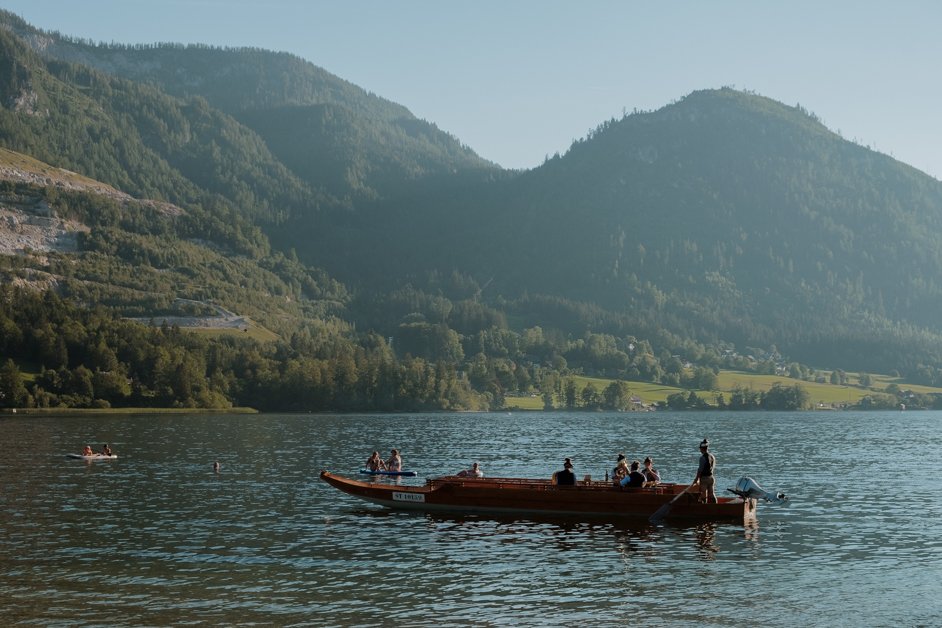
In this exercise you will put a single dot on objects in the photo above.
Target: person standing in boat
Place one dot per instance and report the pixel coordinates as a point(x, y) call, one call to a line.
point(395, 461)
point(705, 473)
point(473, 472)
point(375, 463)
point(566, 477)
point(650, 473)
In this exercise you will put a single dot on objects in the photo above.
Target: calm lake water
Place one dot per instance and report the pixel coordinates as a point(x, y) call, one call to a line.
point(157, 538)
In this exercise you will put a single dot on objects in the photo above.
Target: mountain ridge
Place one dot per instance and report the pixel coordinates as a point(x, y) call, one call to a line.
point(282, 83)
point(722, 220)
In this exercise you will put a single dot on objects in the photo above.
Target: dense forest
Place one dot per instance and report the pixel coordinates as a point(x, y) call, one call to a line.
point(397, 270)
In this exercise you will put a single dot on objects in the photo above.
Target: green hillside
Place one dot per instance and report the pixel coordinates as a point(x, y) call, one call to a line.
point(390, 268)
point(725, 217)
point(342, 140)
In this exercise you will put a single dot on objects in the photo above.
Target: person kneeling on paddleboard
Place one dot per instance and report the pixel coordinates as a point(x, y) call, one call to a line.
point(395, 461)
point(375, 463)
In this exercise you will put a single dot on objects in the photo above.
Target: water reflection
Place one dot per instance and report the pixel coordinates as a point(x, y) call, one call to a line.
point(706, 540)
point(635, 540)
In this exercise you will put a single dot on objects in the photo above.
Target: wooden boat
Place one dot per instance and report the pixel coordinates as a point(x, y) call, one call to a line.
point(532, 496)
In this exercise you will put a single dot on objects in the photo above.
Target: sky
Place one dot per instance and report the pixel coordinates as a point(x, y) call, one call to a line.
point(520, 80)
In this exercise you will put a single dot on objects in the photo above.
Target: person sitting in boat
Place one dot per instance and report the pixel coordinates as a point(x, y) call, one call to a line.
point(106, 450)
point(375, 463)
point(651, 475)
point(88, 451)
point(565, 477)
point(635, 478)
point(473, 472)
point(395, 461)
point(620, 471)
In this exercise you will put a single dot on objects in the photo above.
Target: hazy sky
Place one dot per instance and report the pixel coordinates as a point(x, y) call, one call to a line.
point(517, 80)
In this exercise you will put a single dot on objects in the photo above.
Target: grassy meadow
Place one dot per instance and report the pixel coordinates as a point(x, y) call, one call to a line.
point(821, 394)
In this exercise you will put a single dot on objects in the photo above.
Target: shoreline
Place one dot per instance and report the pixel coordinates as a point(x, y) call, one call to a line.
point(120, 411)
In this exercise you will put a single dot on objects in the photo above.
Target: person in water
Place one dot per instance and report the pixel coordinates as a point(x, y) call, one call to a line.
point(106, 450)
point(650, 473)
point(395, 461)
point(565, 477)
point(620, 472)
point(88, 451)
point(705, 473)
point(635, 478)
point(473, 472)
point(375, 463)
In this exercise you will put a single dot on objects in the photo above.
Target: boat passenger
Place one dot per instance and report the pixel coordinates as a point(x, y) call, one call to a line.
point(620, 471)
point(88, 451)
point(395, 461)
point(565, 477)
point(106, 450)
point(375, 463)
point(473, 472)
point(650, 473)
point(705, 475)
point(635, 478)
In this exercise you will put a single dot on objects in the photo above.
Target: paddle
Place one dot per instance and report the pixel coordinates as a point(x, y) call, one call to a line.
point(666, 508)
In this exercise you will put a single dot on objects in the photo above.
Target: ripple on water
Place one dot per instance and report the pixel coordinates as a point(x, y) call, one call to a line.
point(158, 538)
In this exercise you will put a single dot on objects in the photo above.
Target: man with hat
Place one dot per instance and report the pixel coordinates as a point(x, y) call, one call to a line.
point(565, 477)
point(620, 471)
point(705, 473)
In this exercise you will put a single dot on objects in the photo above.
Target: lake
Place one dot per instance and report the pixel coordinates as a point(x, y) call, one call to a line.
point(157, 538)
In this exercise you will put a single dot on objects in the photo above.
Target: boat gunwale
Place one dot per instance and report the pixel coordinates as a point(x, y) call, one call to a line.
point(435, 484)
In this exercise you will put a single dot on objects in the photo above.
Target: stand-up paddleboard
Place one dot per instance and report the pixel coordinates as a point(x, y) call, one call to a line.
point(92, 457)
point(410, 474)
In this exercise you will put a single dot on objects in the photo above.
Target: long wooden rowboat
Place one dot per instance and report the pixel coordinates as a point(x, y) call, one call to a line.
point(531, 496)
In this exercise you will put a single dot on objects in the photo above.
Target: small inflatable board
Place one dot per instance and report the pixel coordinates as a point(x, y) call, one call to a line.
point(410, 474)
point(92, 457)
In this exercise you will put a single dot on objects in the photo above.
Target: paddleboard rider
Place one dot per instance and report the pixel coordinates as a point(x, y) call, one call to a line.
point(375, 463)
point(705, 473)
point(395, 461)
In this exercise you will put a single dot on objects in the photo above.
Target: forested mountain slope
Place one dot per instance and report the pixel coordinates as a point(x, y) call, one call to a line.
point(722, 225)
point(725, 215)
point(351, 144)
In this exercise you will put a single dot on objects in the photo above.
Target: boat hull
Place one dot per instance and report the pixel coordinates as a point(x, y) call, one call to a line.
point(528, 496)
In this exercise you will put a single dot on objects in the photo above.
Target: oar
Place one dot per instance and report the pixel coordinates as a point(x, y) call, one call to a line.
point(666, 508)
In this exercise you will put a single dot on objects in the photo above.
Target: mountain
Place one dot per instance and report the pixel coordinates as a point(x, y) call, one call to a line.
point(399, 269)
point(723, 216)
point(347, 143)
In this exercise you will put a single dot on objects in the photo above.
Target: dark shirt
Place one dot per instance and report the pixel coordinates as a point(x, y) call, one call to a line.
point(707, 464)
point(636, 479)
point(565, 478)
